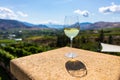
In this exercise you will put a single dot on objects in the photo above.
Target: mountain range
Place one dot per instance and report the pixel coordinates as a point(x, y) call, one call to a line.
point(6, 24)
point(12, 24)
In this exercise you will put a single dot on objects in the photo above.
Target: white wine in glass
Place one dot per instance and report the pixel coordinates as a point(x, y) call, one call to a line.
point(71, 30)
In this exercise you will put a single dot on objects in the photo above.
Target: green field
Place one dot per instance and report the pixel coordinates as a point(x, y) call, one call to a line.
point(7, 41)
point(39, 41)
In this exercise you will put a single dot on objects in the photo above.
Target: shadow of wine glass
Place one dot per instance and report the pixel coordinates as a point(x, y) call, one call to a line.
point(76, 68)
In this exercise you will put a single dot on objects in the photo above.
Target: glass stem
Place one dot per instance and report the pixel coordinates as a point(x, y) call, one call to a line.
point(71, 39)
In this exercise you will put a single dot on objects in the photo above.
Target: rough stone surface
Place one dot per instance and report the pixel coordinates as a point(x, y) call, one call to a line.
point(50, 65)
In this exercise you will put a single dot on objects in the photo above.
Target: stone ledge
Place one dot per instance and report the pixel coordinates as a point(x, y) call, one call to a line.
point(50, 65)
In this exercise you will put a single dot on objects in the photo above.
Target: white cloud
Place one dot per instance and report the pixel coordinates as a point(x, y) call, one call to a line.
point(6, 13)
point(110, 9)
point(22, 14)
point(84, 13)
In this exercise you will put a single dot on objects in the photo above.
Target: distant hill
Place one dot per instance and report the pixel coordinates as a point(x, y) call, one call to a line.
point(28, 24)
point(9, 24)
point(90, 26)
point(35, 25)
point(12, 24)
point(40, 26)
point(99, 25)
point(56, 26)
point(85, 25)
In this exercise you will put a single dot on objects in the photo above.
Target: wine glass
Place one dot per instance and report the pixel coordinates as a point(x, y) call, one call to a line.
point(71, 30)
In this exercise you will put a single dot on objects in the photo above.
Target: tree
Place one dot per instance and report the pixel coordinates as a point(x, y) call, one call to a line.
point(110, 39)
point(101, 36)
point(62, 40)
point(83, 39)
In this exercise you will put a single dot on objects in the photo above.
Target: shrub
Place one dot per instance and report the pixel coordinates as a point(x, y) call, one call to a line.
point(5, 57)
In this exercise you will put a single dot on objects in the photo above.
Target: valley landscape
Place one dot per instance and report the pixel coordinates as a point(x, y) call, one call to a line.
point(34, 27)
point(18, 39)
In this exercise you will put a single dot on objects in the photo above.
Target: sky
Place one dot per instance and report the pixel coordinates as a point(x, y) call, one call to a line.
point(54, 11)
